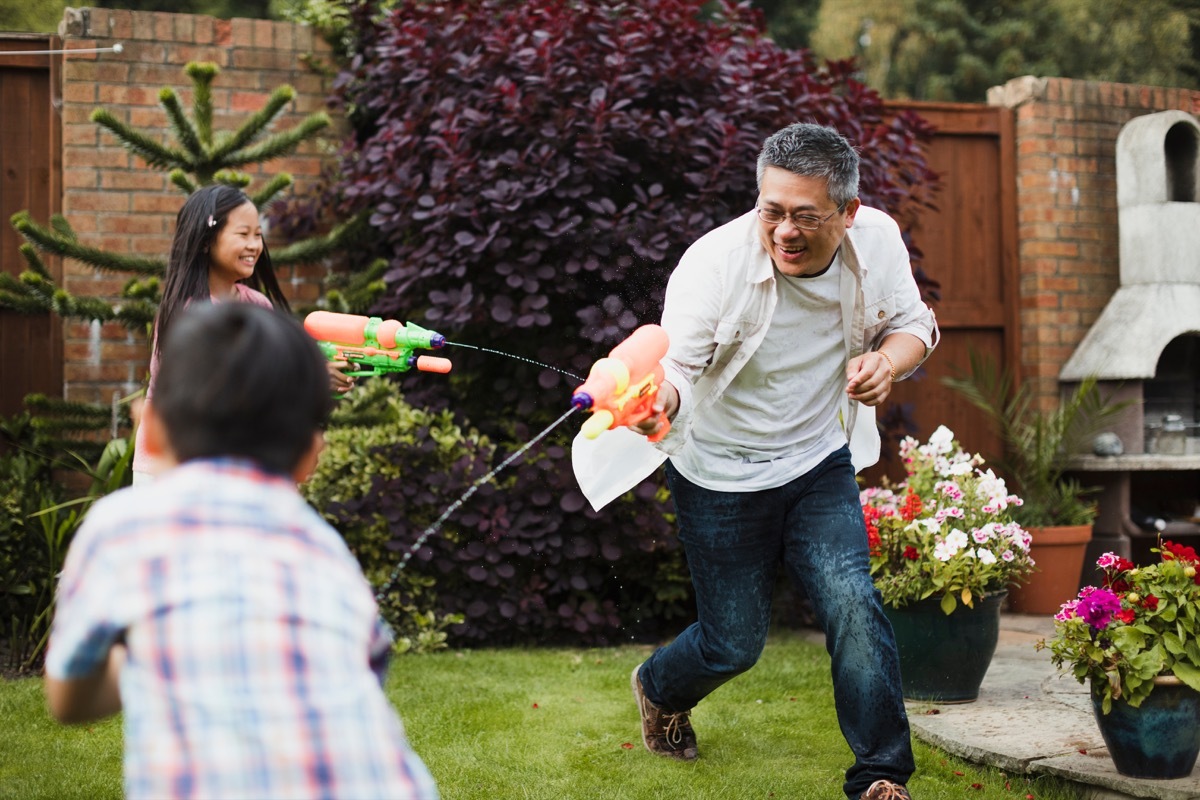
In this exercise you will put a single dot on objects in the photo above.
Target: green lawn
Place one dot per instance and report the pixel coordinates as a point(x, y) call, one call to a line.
point(553, 724)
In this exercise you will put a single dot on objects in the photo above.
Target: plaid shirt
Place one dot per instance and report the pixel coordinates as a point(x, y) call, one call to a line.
point(256, 652)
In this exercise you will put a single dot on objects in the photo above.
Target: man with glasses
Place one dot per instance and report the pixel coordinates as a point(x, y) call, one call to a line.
point(788, 326)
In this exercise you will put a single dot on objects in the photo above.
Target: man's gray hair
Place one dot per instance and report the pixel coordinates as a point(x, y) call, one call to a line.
point(813, 151)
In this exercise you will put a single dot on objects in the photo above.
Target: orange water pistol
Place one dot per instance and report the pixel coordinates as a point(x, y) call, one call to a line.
point(373, 345)
point(620, 390)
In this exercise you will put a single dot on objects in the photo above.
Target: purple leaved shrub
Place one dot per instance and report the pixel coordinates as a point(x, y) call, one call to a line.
point(532, 172)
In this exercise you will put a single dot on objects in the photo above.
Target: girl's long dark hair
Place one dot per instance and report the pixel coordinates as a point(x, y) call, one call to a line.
point(188, 262)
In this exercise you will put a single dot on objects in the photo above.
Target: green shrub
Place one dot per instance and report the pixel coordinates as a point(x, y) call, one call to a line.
point(367, 423)
point(37, 524)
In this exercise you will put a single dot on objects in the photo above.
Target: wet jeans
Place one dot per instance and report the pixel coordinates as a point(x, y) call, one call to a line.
point(735, 543)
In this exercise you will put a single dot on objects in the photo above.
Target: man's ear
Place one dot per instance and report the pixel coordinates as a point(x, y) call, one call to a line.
point(852, 209)
point(158, 443)
point(308, 462)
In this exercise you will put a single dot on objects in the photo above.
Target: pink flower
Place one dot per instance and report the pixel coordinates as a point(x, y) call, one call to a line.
point(1067, 611)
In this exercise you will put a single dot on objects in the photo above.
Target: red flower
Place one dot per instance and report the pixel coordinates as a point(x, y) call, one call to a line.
point(873, 540)
point(911, 508)
point(1172, 550)
point(1125, 615)
point(1150, 602)
point(911, 553)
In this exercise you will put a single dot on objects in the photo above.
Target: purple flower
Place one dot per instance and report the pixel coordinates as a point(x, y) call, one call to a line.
point(1097, 608)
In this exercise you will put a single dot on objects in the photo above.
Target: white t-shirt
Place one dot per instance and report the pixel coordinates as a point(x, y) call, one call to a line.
point(778, 418)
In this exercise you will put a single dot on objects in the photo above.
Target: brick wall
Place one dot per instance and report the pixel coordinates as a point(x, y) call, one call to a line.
point(114, 200)
point(1067, 238)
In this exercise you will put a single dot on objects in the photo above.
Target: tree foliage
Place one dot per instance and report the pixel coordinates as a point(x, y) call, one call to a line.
point(225, 9)
point(533, 171)
point(956, 50)
point(35, 16)
point(790, 22)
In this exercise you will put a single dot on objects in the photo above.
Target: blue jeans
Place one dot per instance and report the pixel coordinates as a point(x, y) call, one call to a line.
point(735, 542)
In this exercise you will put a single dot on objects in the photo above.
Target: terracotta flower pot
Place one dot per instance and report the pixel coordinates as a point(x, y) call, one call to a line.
point(1059, 553)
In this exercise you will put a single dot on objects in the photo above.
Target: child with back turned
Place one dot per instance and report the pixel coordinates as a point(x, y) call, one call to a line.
point(214, 606)
point(217, 255)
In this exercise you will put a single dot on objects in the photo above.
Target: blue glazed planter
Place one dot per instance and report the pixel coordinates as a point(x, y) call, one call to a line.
point(1158, 739)
point(943, 658)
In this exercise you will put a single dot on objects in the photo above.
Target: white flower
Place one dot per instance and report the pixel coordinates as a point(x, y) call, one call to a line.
point(956, 539)
point(950, 489)
point(942, 440)
point(1019, 536)
point(957, 468)
point(932, 524)
point(942, 514)
point(992, 487)
point(943, 551)
point(986, 556)
point(983, 535)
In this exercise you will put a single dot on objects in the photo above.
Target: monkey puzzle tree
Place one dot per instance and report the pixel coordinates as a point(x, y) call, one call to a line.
point(199, 156)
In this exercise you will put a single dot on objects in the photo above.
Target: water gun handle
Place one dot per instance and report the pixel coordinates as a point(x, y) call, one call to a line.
point(664, 427)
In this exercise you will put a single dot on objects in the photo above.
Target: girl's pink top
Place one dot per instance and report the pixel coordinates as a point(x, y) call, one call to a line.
point(143, 461)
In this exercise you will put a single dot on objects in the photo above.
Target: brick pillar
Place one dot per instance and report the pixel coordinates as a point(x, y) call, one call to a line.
point(1067, 237)
point(115, 201)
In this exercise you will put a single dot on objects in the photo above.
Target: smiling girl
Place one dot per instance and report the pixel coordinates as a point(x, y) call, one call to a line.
point(217, 255)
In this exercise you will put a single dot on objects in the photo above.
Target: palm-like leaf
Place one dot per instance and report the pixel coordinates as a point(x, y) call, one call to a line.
point(1039, 444)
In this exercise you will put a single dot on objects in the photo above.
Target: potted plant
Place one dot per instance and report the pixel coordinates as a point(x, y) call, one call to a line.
point(1057, 510)
point(944, 550)
point(1135, 639)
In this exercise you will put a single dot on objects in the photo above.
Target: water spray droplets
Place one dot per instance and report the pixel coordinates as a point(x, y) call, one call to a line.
point(518, 358)
point(457, 504)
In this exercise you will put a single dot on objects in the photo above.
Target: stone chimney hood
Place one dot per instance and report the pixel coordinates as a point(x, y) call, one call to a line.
point(1158, 174)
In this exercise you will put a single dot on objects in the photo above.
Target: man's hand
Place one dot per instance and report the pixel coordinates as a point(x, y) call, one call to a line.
point(667, 401)
point(869, 378)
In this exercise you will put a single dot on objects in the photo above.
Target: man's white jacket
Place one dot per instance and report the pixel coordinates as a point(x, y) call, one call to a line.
point(719, 305)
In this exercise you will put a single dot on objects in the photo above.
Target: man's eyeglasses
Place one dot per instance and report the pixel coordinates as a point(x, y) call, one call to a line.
point(804, 222)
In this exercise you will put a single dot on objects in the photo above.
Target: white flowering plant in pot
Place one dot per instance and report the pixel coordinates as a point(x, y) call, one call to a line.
point(946, 531)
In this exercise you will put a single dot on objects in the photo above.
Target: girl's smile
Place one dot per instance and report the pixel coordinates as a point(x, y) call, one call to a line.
point(236, 249)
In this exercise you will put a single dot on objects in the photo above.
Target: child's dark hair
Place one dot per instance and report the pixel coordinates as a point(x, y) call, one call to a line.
point(237, 379)
point(202, 217)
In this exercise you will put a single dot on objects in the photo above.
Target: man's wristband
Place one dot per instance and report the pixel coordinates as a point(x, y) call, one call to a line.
point(891, 363)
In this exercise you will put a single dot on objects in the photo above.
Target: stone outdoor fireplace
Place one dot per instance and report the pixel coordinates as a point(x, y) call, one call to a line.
point(1145, 346)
